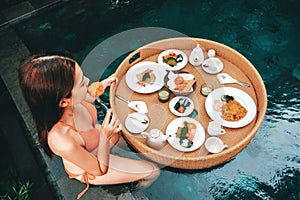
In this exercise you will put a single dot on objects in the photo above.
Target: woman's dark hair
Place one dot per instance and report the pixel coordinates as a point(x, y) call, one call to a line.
point(44, 81)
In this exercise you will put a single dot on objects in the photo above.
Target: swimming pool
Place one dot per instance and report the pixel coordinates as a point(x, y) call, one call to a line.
point(266, 32)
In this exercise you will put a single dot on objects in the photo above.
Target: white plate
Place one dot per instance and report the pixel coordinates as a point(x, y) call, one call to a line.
point(158, 70)
point(179, 65)
point(189, 109)
point(240, 96)
point(174, 142)
point(213, 65)
point(134, 126)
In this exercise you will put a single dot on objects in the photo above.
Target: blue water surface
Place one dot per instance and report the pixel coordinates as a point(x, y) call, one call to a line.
point(266, 32)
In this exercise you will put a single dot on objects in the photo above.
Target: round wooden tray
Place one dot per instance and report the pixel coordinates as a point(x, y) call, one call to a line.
point(160, 116)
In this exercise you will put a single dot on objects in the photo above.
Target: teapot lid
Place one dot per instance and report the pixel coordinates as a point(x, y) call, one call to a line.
point(154, 133)
point(197, 48)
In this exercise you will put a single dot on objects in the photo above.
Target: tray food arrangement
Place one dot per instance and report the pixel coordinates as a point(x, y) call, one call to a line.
point(184, 118)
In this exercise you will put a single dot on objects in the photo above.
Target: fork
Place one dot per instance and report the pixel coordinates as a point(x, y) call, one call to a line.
point(100, 102)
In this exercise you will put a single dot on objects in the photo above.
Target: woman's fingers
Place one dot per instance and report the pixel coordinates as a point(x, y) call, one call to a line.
point(107, 117)
point(108, 81)
point(111, 125)
point(114, 121)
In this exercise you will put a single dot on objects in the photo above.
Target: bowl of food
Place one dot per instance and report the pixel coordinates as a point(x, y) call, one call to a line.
point(180, 83)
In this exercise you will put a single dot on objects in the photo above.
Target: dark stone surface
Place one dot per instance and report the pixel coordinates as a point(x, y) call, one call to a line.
point(13, 132)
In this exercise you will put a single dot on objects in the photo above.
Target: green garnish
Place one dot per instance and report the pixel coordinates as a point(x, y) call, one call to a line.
point(184, 141)
point(172, 60)
point(145, 76)
point(226, 98)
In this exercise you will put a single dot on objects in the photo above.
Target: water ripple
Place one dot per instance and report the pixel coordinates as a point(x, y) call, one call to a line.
point(283, 100)
point(282, 186)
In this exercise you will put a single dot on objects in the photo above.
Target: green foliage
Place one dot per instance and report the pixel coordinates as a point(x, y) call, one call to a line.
point(18, 191)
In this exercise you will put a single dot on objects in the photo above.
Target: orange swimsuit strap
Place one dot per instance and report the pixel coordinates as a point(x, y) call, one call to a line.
point(65, 124)
point(85, 179)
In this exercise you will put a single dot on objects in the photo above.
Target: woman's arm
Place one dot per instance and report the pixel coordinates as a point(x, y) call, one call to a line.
point(108, 81)
point(107, 130)
point(70, 148)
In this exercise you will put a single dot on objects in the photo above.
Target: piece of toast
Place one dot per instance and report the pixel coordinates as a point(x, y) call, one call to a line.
point(96, 89)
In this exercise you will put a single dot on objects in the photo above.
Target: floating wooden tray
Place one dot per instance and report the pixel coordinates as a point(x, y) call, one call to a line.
point(236, 138)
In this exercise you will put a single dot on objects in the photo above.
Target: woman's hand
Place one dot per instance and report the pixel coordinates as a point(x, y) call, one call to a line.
point(108, 81)
point(110, 125)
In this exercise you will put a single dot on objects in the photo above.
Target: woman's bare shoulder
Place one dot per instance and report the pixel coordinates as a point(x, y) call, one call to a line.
point(62, 139)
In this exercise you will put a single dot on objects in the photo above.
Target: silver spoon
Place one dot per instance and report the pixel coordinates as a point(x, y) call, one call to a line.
point(226, 78)
point(139, 106)
point(144, 121)
point(125, 100)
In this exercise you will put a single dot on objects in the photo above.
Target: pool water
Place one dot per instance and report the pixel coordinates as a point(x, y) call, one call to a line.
point(265, 32)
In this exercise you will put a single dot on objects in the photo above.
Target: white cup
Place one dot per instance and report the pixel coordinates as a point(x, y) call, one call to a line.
point(215, 128)
point(214, 145)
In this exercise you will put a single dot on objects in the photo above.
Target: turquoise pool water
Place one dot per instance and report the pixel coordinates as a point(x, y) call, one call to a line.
point(265, 32)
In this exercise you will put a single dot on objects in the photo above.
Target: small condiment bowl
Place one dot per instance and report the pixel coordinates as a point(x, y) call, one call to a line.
point(214, 145)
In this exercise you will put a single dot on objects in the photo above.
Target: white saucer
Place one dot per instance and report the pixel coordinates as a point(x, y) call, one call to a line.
point(212, 65)
point(134, 126)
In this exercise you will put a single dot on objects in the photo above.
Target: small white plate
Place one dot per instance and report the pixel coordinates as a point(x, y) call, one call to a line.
point(134, 126)
point(179, 65)
point(212, 65)
point(189, 109)
point(175, 142)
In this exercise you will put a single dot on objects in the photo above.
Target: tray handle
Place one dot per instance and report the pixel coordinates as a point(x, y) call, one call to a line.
point(134, 58)
point(141, 54)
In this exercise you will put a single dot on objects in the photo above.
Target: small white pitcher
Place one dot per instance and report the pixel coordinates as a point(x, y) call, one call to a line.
point(215, 128)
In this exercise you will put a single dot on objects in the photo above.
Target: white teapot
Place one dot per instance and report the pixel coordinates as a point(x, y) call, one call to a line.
point(155, 138)
point(196, 57)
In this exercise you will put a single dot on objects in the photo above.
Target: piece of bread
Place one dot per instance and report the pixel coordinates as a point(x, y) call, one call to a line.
point(183, 85)
point(189, 85)
point(96, 89)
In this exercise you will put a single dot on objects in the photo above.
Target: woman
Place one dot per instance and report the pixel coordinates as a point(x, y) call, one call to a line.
point(57, 93)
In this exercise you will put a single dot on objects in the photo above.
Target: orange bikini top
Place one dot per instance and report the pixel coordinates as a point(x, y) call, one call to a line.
point(91, 136)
